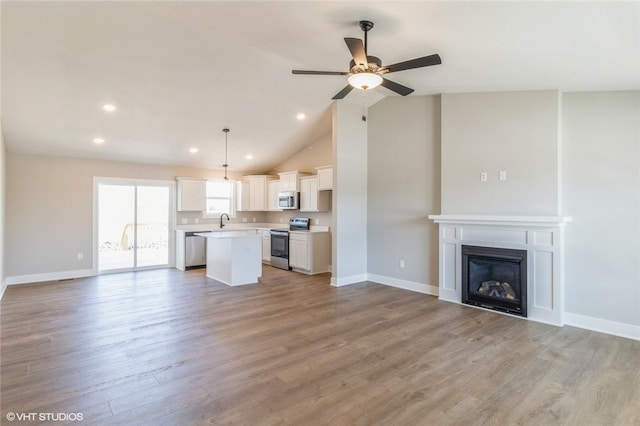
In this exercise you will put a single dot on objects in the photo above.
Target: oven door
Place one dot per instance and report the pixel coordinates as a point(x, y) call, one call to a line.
point(280, 249)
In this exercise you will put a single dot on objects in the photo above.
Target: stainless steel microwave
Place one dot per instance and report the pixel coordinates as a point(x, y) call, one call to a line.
point(288, 200)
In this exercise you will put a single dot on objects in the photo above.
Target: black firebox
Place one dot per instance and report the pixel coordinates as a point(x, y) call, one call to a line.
point(495, 278)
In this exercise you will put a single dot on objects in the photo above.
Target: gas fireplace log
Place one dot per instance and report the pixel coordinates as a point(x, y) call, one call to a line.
point(495, 288)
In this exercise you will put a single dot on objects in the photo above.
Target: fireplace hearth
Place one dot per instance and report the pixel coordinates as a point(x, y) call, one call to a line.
point(495, 278)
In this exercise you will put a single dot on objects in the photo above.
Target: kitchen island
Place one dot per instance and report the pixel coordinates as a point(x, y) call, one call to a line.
point(234, 257)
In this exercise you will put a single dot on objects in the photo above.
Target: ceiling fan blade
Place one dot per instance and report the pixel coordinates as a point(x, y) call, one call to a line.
point(425, 61)
point(356, 47)
point(303, 72)
point(344, 92)
point(398, 88)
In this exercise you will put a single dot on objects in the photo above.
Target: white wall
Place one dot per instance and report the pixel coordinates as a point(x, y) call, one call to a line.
point(488, 132)
point(601, 166)
point(349, 225)
point(403, 188)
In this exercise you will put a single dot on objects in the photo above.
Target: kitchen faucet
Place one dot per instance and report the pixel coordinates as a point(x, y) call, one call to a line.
point(223, 214)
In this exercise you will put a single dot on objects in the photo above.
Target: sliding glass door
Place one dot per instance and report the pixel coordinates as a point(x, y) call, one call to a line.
point(133, 225)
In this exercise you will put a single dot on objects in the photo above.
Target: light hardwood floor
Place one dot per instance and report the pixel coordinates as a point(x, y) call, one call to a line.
point(175, 348)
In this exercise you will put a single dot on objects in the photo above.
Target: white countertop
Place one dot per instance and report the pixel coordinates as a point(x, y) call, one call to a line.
point(217, 234)
point(212, 227)
point(245, 227)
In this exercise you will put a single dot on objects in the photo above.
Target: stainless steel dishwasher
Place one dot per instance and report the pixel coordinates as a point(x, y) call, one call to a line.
point(195, 251)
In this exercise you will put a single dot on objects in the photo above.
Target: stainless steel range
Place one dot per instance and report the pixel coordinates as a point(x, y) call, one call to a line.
point(280, 241)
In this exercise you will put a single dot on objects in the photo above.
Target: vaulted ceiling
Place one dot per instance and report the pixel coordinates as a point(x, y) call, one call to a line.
point(179, 72)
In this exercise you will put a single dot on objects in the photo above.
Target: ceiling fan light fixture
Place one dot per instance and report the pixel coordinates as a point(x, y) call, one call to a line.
point(365, 80)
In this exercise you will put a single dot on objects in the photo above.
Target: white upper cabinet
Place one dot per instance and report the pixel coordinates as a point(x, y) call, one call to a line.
point(273, 188)
point(290, 181)
point(192, 194)
point(312, 200)
point(253, 193)
point(242, 196)
point(325, 178)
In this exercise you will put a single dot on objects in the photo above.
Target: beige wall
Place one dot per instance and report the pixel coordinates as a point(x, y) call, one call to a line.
point(601, 165)
point(403, 188)
point(315, 154)
point(49, 216)
point(3, 203)
point(349, 224)
point(488, 132)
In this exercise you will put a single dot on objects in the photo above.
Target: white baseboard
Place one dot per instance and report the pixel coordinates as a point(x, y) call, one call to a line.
point(615, 328)
point(353, 279)
point(49, 276)
point(3, 287)
point(404, 284)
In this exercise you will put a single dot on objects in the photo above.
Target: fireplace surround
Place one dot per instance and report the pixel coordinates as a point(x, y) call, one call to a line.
point(541, 237)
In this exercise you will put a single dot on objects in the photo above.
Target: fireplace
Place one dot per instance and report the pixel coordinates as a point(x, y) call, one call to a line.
point(495, 278)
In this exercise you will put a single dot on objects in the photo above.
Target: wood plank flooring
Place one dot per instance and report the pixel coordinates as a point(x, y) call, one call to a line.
point(166, 347)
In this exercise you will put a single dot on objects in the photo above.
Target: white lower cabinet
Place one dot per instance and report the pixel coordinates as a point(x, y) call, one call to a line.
point(266, 246)
point(310, 252)
point(298, 248)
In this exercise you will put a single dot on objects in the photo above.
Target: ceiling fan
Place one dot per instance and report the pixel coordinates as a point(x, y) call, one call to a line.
point(367, 72)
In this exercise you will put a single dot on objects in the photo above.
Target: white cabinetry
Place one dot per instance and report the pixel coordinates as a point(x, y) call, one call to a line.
point(312, 200)
point(252, 193)
point(242, 196)
point(257, 193)
point(325, 178)
point(266, 246)
point(192, 194)
point(273, 188)
point(309, 252)
point(289, 181)
point(298, 248)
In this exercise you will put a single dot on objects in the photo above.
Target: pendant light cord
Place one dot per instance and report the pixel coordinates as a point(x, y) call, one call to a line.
point(226, 152)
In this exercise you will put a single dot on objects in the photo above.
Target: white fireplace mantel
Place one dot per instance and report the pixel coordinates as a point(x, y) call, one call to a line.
point(532, 221)
point(541, 236)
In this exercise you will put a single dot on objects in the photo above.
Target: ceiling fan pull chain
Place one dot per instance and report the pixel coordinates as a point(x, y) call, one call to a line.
point(364, 103)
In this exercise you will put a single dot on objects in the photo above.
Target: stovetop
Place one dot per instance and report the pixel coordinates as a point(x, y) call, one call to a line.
point(299, 224)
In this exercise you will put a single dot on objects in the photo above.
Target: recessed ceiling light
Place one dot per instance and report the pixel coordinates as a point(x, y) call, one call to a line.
point(249, 157)
point(109, 107)
point(99, 141)
point(301, 116)
point(193, 150)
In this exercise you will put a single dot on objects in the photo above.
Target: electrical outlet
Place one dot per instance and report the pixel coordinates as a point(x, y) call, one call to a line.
point(80, 256)
point(317, 221)
point(244, 219)
point(280, 220)
point(502, 175)
point(402, 263)
point(483, 177)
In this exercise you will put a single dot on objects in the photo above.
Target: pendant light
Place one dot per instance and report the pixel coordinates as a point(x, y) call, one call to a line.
point(226, 151)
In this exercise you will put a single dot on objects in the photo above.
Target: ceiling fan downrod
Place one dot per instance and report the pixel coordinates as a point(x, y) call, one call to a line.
point(366, 26)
